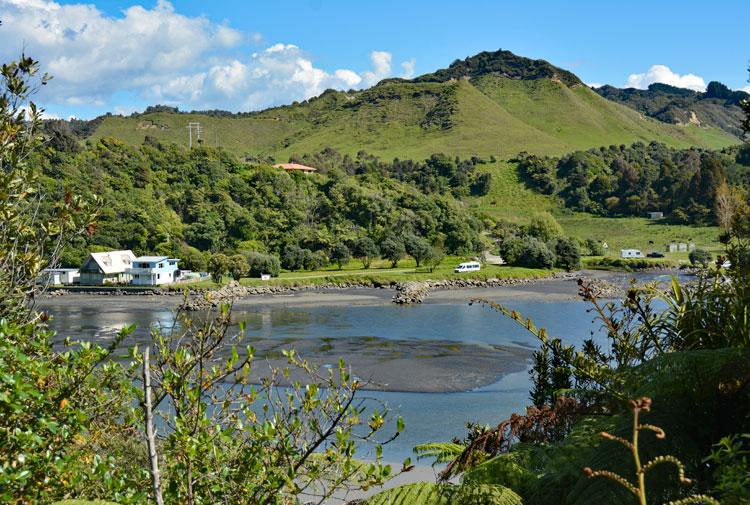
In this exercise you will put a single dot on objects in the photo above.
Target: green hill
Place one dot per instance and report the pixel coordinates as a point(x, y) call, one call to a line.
point(718, 107)
point(489, 104)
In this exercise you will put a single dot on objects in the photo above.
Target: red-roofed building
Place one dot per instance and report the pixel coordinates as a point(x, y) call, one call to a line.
point(296, 167)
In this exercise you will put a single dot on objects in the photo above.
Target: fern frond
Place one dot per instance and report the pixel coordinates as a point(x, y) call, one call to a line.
point(441, 452)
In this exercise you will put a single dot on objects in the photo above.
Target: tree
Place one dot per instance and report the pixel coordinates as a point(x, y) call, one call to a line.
point(259, 263)
point(745, 104)
point(544, 227)
point(238, 266)
point(595, 248)
point(535, 254)
point(366, 250)
point(434, 257)
point(417, 247)
point(340, 254)
point(393, 250)
point(700, 257)
point(293, 257)
point(567, 254)
point(218, 265)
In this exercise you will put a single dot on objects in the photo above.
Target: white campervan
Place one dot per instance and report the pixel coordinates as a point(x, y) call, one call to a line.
point(469, 266)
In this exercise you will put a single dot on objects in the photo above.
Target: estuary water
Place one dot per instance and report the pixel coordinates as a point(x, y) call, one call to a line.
point(367, 314)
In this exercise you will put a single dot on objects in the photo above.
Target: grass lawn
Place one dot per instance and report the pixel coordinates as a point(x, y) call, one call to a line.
point(640, 233)
point(380, 272)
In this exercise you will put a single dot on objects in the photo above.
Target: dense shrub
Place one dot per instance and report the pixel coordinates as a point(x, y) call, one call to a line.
point(535, 254)
point(260, 263)
point(567, 254)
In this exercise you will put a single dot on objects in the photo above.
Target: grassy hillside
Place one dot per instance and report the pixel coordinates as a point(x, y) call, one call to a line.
point(483, 112)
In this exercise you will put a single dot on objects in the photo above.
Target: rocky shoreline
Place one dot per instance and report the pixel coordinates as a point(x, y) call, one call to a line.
point(405, 293)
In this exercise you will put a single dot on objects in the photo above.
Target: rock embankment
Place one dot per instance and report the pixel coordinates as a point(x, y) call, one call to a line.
point(417, 291)
point(411, 292)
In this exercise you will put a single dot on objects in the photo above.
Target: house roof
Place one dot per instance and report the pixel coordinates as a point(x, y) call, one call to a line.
point(151, 259)
point(112, 262)
point(295, 166)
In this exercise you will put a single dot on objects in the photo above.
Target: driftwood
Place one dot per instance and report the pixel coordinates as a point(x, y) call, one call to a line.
point(150, 435)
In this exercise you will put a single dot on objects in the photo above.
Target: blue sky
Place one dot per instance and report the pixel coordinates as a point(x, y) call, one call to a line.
point(120, 55)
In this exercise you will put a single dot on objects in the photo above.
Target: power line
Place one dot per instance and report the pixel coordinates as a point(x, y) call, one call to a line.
point(194, 127)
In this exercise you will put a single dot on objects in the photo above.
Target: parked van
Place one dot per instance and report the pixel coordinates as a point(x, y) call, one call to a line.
point(469, 266)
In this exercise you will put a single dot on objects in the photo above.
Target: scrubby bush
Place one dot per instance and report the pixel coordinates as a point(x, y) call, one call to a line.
point(567, 254)
point(238, 266)
point(259, 263)
point(535, 254)
point(544, 226)
point(700, 257)
point(594, 247)
point(296, 258)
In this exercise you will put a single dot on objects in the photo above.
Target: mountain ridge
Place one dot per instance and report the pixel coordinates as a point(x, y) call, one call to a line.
point(492, 103)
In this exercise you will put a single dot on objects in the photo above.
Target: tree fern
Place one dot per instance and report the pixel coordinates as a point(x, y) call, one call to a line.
point(440, 452)
point(428, 493)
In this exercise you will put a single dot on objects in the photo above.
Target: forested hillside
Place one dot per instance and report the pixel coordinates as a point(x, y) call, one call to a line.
point(167, 199)
point(718, 106)
point(494, 103)
point(618, 180)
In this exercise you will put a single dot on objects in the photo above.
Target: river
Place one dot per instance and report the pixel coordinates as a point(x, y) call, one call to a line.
point(434, 407)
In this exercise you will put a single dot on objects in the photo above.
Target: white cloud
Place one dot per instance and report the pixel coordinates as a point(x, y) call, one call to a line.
point(381, 64)
point(746, 89)
point(160, 55)
point(594, 84)
point(408, 67)
point(663, 74)
point(92, 55)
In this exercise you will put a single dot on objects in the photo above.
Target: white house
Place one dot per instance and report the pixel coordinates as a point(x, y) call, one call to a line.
point(111, 267)
point(59, 276)
point(154, 270)
point(656, 215)
point(631, 253)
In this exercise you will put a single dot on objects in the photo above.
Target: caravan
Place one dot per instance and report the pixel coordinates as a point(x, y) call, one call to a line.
point(469, 266)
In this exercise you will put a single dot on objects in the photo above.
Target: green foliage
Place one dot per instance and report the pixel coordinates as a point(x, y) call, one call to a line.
point(533, 253)
point(717, 106)
point(567, 254)
point(544, 227)
point(234, 441)
point(427, 493)
point(417, 247)
point(439, 452)
point(434, 258)
point(340, 254)
point(218, 265)
point(238, 266)
point(259, 263)
point(730, 458)
point(594, 247)
point(365, 250)
point(393, 250)
point(620, 180)
point(700, 257)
